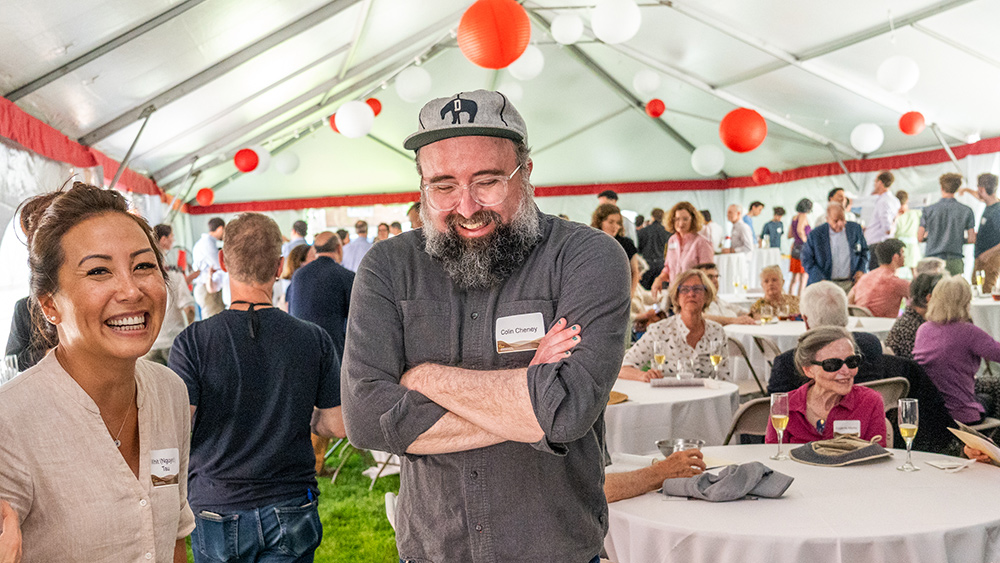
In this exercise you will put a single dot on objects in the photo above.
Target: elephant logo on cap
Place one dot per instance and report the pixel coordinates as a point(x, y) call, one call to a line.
point(458, 106)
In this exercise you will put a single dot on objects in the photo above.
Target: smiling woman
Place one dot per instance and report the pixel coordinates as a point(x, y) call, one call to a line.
point(95, 444)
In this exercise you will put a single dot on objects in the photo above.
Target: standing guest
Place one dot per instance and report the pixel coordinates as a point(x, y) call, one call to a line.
point(741, 238)
point(653, 247)
point(254, 400)
point(835, 195)
point(906, 231)
point(836, 251)
point(685, 249)
point(988, 237)
point(413, 214)
point(299, 230)
point(425, 379)
point(903, 333)
point(608, 218)
point(298, 257)
point(320, 291)
point(395, 228)
point(799, 233)
point(640, 222)
point(205, 255)
point(829, 358)
point(610, 196)
point(383, 232)
point(345, 237)
point(931, 266)
point(883, 219)
point(719, 310)
point(948, 225)
point(80, 427)
point(774, 228)
point(773, 283)
point(357, 248)
point(712, 231)
point(881, 291)
point(690, 338)
point(180, 302)
point(951, 350)
point(756, 208)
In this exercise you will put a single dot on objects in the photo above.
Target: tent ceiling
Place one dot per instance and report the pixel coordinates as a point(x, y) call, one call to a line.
point(224, 74)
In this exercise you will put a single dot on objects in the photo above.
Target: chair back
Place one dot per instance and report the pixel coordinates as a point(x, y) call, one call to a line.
point(751, 418)
point(888, 434)
point(859, 311)
point(735, 349)
point(768, 347)
point(892, 390)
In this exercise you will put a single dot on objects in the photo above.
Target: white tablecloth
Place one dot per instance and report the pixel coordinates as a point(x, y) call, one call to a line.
point(986, 315)
point(741, 300)
point(863, 513)
point(743, 268)
point(785, 334)
point(660, 413)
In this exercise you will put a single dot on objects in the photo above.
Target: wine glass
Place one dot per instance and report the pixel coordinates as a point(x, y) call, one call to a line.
point(766, 314)
point(715, 356)
point(779, 419)
point(909, 418)
point(660, 354)
point(784, 312)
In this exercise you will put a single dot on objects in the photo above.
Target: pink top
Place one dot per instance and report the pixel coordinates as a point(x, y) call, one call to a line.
point(685, 252)
point(861, 403)
point(882, 292)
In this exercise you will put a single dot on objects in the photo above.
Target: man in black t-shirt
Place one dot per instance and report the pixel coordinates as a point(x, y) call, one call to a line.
point(258, 381)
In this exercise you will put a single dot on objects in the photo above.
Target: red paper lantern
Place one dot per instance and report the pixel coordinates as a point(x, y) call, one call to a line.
point(333, 123)
point(205, 197)
point(494, 33)
point(761, 175)
point(912, 123)
point(655, 107)
point(375, 105)
point(742, 130)
point(246, 160)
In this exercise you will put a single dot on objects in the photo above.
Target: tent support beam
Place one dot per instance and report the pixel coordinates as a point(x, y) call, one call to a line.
point(947, 149)
point(174, 207)
point(582, 129)
point(100, 51)
point(146, 114)
point(220, 68)
point(960, 46)
point(359, 33)
point(840, 161)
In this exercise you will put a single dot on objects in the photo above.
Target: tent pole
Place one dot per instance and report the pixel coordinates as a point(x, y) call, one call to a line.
point(189, 176)
point(947, 149)
point(840, 161)
point(146, 114)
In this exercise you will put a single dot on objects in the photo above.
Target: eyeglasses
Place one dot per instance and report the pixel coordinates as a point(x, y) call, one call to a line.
point(488, 191)
point(831, 365)
point(692, 289)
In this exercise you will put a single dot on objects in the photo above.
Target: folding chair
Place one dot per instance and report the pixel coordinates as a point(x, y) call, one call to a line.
point(751, 418)
point(768, 347)
point(988, 427)
point(735, 349)
point(892, 390)
point(390, 508)
point(859, 311)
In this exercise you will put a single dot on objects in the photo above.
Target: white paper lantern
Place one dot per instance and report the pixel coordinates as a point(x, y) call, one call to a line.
point(264, 159)
point(567, 28)
point(413, 84)
point(286, 163)
point(528, 65)
point(708, 160)
point(646, 82)
point(354, 119)
point(866, 138)
point(898, 74)
point(513, 91)
point(615, 21)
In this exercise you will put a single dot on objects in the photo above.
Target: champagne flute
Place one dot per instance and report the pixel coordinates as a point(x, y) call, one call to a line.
point(766, 313)
point(909, 418)
point(660, 354)
point(779, 419)
point(715, 356)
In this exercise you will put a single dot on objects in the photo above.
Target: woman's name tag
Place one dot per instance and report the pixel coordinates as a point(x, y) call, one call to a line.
point(164, 467)
point(847, 427)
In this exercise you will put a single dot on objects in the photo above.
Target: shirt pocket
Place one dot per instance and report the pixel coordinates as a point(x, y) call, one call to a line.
point(546, 307)
point(427, 332)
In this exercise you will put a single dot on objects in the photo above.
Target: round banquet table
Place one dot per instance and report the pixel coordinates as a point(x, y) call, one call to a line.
point(786, 334)
point(743, 269)
point(742, 300)
point(659, 413)
point(986, 315)
point(864, 512)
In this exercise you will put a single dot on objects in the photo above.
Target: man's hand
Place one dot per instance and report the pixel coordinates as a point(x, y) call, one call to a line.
point(10, 534)
point(977, 455)
point(680, 464)
point(857, 276)
point(557, 343)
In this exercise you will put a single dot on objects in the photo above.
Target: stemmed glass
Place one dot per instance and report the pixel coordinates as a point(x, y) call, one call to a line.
point(660, 355)
point(779, 419)
point(715, 356)
point(909, 418)
point(980, 280)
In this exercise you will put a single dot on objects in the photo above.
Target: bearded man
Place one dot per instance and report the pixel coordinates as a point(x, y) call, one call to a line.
point(482, 349)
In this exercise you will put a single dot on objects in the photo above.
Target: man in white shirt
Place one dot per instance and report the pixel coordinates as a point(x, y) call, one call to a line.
point(206, 260)
point(355, 250)
point(180, 302)
point(741, 237)
point(883, 219)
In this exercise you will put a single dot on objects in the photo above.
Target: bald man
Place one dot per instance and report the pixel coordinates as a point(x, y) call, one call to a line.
point(741, 237)
point(836, 251)
point(320, 291)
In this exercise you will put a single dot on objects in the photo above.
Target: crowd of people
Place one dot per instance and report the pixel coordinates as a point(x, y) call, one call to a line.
point(481, 347)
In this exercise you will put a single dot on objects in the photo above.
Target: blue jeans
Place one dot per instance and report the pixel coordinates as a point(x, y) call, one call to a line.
point(596, 559)
point(286, 532)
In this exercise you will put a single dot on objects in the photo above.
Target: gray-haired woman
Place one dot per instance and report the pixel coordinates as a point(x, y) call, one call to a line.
point(830, 403)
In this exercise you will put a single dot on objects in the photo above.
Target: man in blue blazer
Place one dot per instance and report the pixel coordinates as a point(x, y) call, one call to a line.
point(836, 251)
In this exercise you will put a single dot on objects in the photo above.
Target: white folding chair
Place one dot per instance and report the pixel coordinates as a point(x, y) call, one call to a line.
point(390, 508)
point(735, 349)
point(859, 311)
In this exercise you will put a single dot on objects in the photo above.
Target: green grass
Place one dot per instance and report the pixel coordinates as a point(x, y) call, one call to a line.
point(355, 529)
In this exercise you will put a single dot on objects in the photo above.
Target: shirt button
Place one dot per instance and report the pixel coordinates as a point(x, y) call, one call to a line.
point(475, 474)
point(142, 502)
point(475, 316)
point(479, 527)
point(149, 555)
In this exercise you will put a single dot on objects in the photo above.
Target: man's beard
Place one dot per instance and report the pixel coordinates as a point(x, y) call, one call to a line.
point(489, 260)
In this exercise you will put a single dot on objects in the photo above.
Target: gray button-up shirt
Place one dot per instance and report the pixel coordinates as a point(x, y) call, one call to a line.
point(840, 255)
point(510, 502)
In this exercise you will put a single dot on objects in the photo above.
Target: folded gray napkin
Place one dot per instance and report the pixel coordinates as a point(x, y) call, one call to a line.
point(732, 483)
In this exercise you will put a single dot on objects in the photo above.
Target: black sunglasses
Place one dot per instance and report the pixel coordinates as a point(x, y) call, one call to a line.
point(831, 365)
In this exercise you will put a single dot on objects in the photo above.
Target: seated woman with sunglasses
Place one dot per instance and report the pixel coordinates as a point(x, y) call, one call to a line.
point(830, 403)
point(690, 337)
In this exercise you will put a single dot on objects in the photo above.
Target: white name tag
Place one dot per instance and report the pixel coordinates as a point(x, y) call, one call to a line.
point(847, 427)
point(164, 467)
point(519, 333)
